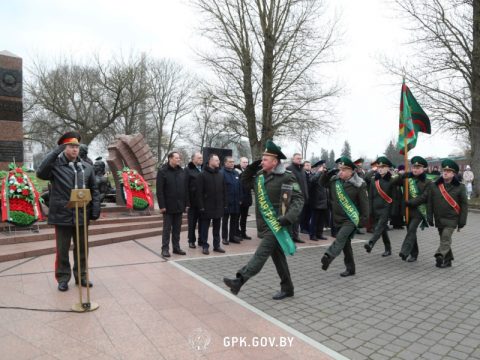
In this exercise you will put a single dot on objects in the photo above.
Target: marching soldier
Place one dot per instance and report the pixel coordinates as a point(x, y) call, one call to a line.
point(270, 184)
point(381, 199)
point(417, 185)
point(446, 203)
point(348, 192)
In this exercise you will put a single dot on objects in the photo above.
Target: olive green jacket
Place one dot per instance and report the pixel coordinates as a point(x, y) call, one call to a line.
point(356, 190)
point(439, 209)
point(273, 186)
point(422, 183)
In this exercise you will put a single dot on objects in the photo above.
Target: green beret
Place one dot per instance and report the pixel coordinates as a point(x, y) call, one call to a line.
point(383, 160)
point(273, 150)
point(345, 161)
point(419, 161)
point(449, 164)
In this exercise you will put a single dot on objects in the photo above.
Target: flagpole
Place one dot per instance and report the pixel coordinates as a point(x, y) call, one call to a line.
point(405, 159)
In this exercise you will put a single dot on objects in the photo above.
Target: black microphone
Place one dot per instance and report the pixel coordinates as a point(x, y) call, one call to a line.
point(72, 165)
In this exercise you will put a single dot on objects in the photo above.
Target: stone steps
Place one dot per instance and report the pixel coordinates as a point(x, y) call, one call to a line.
point(108, 230)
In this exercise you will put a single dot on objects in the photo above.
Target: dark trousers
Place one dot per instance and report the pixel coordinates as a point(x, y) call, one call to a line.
point(319, 218)
point(343, 242)
point(215, 232)
point(194, 222)
point(228, 232)
point(243, 219)
point(305, 218)
point(381, 229)
point(63, 236)
point(410, 245)
point(269, 246)
point(172, 223)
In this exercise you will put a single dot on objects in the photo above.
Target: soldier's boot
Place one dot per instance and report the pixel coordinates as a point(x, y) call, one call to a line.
point(446, 263)
point(326, 260)
point(387, 252)
point(234, 284)
point(438, 260)
point(368, 246)
point(411, 258)
point(403, 257)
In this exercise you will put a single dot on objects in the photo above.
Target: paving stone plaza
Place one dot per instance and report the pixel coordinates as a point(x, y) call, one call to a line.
point(389, 310)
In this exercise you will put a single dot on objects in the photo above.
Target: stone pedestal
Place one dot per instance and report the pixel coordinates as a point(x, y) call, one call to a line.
point(11, 109)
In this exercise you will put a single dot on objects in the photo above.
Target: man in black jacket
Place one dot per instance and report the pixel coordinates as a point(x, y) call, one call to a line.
point(172, 199)
point(192, 171)
point(318, 203)
point(296, 168)
point(211, 197)
point(62, 166)
point(246, 201)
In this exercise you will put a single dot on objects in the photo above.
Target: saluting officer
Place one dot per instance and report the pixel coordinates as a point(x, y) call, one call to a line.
point(446, 203)
point(417, 185)
point(348, 193)
point(269, 185)
point(381, 198)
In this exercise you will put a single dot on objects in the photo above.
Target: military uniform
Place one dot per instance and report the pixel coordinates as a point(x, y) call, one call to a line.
point(409, 250)
point(269, 245)
point(449, 209)
point(355, 189)
point(381, 200)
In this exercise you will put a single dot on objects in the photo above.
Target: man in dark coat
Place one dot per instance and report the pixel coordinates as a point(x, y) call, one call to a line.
point(245, 202)
point(318, 203)
point(417, 185)
point(348, 193)
point(172, 196)
point(296, 168)
point(233, 189)
point(212, 200)
point(276, 179)
point(62, 167)
point(193, 169)
point(446, 203)
point(382, 186)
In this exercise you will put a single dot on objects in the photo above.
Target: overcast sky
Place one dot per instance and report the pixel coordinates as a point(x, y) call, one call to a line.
point(367, 112)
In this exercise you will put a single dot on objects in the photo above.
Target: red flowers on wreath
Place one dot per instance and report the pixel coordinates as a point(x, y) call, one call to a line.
point(136, 191)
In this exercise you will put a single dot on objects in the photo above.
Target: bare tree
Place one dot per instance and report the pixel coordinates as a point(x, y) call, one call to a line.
point(87, 98)
point(169, 102)
point(268, 53)
point(446, 72)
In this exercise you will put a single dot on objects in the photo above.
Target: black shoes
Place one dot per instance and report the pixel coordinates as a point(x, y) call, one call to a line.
point(246, 237)
point(403, 257)
point(326, 260)
point(225, 242)
point(62, 286)
point(192, 245)
point(387, 253)
point(322, 238)
point(411, 258)
point(282, 295)
point(83, 282)
point(236, 240)
point(313, 238)
point(347, 273)
point(179, 252)
point(446, 264)
point(368, 247)
point(205, 251)
point(165, 253)
point(220, 250)
point(298, 241)
point(233, 284)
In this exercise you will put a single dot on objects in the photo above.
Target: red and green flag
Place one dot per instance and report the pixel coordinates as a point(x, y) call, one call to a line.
point(412, 120)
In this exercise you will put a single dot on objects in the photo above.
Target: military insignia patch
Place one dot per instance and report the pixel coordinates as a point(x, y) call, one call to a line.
point(296, 187)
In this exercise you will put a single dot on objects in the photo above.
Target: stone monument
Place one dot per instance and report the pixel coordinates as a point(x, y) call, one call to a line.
point(11, 109)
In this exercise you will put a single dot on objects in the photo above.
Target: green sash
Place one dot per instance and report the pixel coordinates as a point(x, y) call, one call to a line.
point(346, 203)
point(270, 216)
point(413, 192)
